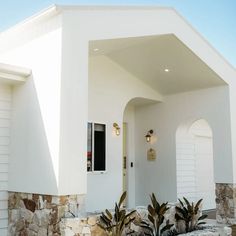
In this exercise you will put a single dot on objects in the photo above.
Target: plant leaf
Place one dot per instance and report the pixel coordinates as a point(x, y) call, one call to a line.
point(166, 227)
point(151, 210)
point(201, 223)
point(151, 219)
point(197, 206)
point(187, 203)
point(202, 217)
point(178, 217)
point(108, 214)
point(181, 203)
point(122, 198)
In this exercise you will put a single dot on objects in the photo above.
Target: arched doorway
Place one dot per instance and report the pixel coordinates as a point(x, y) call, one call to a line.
point(129, 156)
point(194, 155)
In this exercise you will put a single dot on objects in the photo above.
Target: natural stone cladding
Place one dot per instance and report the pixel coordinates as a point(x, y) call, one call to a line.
point(40, 215)
point(85, 226)
point(225, 203)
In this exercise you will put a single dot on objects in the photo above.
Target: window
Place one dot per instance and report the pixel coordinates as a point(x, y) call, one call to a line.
point(96, 147)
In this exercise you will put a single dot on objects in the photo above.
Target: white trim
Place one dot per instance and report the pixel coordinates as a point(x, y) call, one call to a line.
point(98, 172)
point(12, 74)
point(40, 16)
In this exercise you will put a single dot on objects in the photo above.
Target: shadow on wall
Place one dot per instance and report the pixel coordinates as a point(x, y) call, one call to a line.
point(33, 163)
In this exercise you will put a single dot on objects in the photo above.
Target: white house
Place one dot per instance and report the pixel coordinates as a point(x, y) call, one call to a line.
point(69, 73)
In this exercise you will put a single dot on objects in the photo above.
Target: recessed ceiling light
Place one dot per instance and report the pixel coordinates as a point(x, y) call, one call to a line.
point(95, 49)
point(166, 70)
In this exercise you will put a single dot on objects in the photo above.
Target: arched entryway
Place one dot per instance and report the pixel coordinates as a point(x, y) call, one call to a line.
point(129, 155)
point(194, 162)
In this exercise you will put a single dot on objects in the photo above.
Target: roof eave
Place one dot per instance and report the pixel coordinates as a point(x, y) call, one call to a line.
point(13, 74)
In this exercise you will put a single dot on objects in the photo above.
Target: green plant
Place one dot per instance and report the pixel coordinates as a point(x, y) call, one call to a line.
point(115, 224)
point(188, 213)
point(156, 212)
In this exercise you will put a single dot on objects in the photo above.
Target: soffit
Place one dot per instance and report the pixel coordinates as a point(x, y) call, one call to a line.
point(147, 58)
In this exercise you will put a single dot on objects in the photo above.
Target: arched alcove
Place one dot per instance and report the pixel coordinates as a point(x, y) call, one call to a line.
point(194, 162)
point(128, 150)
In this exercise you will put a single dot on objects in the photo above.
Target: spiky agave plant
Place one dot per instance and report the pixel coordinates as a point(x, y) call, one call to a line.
point(156, 212)
point(115, 224)
point(188, 213)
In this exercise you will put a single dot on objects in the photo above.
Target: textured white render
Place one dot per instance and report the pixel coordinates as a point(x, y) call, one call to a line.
point(110, 89)
point(34, 157)
point(165, 118)
point(51, 111)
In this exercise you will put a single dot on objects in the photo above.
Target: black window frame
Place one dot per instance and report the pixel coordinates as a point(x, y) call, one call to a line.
point(96, 147)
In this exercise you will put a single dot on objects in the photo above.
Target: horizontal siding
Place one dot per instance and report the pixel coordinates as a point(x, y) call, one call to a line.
point(5, 114)
point(186, 167)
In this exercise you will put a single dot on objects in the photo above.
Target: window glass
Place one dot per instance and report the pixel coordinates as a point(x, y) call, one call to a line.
point(96, 147)
point(99, 147)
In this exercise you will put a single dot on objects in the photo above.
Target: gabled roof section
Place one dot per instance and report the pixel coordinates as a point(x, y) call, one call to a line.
point(57, 9)
point(13, 74)
point(38, 17)
point(173, 24)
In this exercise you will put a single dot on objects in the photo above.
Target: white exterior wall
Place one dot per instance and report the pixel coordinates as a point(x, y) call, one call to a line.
point(5, 123)
point(34, 157)
point(110, 89)
point(164, 118)
point(55, 99)
point(110, 23)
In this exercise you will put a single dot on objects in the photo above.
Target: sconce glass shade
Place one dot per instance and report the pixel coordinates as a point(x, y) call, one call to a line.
point(117, 129)
point(149, 135)
point(148, 138)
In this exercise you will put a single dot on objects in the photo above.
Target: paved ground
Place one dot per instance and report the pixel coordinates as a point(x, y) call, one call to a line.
point(211, 214)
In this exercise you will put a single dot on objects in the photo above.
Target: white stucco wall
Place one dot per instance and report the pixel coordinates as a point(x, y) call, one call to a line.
point(36, 108)
point(51, 109)
point(164, 118)
point(110, 89)
point(109, 23)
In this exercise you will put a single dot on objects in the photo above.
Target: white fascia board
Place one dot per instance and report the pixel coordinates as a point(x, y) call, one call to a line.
point(110, 7)
point(13, 74)
point(38, 17)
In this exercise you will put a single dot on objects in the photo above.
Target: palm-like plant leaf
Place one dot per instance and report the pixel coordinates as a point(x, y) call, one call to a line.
point(201, 223)
point(188, 212)
point(115, 224)
point(156, 212)
point(108, 214)
point(166, 227)
point(122, 198)
point(151, 210)
point(202, 217)
point(196, 209)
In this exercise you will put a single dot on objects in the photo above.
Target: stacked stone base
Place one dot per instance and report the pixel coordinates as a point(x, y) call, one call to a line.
point(81, 227)
point(226, 203)
point(40, 215)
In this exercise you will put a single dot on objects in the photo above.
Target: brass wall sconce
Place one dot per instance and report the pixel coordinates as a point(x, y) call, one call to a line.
point(117, 129)
point(149, 135)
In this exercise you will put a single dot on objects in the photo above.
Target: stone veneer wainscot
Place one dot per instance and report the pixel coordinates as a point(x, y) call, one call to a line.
point(40, 215)
point(226, 203)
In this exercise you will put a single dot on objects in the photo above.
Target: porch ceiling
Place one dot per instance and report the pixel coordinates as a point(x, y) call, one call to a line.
point(148, 57)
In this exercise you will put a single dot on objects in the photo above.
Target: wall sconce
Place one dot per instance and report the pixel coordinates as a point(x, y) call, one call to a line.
point(117, 128)
point(149, 135)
